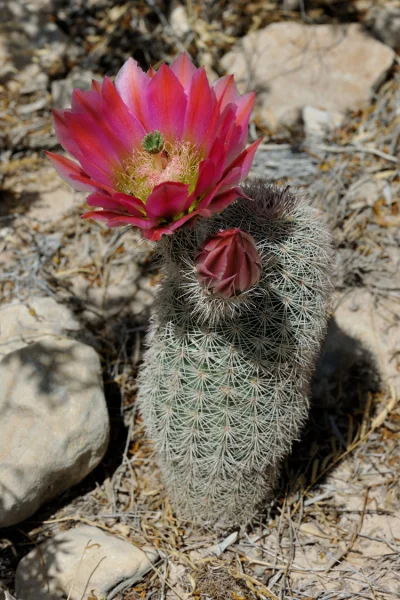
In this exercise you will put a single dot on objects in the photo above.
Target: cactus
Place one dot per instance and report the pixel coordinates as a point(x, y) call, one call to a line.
point(224, 387)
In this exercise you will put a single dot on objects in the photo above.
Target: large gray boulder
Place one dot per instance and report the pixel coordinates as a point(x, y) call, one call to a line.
point(54, 423)
point(80, 563)
point(291, 65)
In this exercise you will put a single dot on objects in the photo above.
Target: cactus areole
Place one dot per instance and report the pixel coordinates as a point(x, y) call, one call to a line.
point(242, 307)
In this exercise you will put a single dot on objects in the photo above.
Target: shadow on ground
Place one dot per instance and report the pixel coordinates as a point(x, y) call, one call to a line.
point(13, 204)
point(345, 375)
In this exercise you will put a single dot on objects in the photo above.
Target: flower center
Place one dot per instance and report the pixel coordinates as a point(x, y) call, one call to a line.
point(158, 162)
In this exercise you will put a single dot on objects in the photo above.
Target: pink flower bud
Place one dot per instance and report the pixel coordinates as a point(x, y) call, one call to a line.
point(228, 263)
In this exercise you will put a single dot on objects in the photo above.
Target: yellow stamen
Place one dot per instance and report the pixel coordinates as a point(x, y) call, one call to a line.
point(143, 171)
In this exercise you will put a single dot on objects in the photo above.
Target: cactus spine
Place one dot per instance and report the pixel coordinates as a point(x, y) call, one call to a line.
point(224, 387)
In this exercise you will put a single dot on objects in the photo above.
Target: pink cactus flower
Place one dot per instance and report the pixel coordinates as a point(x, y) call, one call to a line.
point(157, 149)
point(228, 263)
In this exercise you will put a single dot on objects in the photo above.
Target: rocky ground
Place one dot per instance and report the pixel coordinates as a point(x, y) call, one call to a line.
point(79, 487)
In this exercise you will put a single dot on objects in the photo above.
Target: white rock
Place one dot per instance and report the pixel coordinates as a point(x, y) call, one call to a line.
point(54, 423)
point(318, 123)
point(79, 563)
point(179, 21)
point(292, 65)
point(21, 324)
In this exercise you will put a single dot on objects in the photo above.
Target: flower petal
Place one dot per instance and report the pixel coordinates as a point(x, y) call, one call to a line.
point(184, 69)
point(96, 124)
point(226, 287)
point(73, 174)
point(168, 200)
point(212, 127)
point(200, 108)
point(114, 219)
point(88, 102)
point(103, 201)
point(207, 177)
point(132, 204)
point(245, 105)
point(216, 261)
point(226, 91)
point(167, 104)
point(107, 113)
point(230, 179)
point(131, 83)
point(96, 86)
point(220, 202)
point(244, 160)
point(156, 233)
point(239, 136)
point(218, 156)
point(95, 148)
point(63, 133)
point(125, 126)
point(118, 202)
point(227, 123)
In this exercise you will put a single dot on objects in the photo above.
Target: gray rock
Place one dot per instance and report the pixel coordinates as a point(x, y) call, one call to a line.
point(61, 89)
point(6, 596)
point(32, 79)
point(291, 4)
point(22, 324)
point(54, 423)
point(292, 65)
point(46, 36)
point(386, 26)
point(79, 563)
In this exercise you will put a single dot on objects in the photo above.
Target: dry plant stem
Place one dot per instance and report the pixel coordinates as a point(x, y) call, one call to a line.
point(375, 151)
point(354, 537)
point(252, 580)
point(224, 389)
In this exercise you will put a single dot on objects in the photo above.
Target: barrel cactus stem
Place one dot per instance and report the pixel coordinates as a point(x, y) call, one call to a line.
point(224, 387)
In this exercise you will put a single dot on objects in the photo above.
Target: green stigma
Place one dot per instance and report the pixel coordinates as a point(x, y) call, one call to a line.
point(153, 142)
